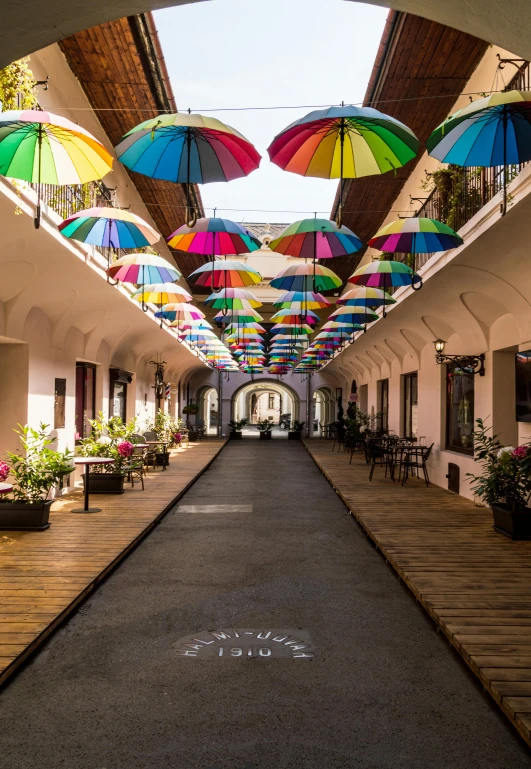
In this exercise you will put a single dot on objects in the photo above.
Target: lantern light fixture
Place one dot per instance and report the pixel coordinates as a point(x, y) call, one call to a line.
point(470, 364)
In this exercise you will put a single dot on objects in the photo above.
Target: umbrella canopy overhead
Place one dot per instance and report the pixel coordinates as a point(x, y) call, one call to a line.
point(162, 293)
point(306, 277)
point(316, 239)
point(308, 299)
point(187, 149)
point(362, 296)
point(212, 236)
point(290, 316)
point(344, 142)
point(415, 236)
point(225, 273)
point(383, 274)
point(143, 268)
point(181, 311)
point(109, 228)
point(354, 315)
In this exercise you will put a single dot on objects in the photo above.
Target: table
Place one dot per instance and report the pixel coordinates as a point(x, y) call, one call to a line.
point(164, 445)
point(5, 488)
point(396, 453)
point(87, 461)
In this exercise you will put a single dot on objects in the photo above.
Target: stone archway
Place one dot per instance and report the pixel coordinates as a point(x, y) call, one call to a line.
point(37, 23)
point(324, 406)
point(246, 397)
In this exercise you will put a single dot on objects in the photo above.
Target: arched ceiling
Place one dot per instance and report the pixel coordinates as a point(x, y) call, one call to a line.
point(29, 25)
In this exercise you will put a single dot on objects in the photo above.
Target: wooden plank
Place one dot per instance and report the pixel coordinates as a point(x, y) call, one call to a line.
point(473, 582)
point(54, 570)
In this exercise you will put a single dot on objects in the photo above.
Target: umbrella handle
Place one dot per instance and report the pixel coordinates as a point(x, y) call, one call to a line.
point(109, 281)
point(416, 277)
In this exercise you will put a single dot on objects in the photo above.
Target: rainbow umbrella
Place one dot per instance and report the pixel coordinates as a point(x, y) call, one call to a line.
point(289, 316)
point(161, 294)
point(214, 237)
point(316, 239)
point(109, 228)
point(344, 142)
point(301, 328)
point(246, 316)
point(306, 277)
point(234, 298)
point(42, 148)
point(361, 296)
point(415, 236)
point(354, 315)
point(492, 131)
point(384, 274)
point(225, 273)
point(187, 149)
point(143, 268)
point(310, 300)
point(182, 310)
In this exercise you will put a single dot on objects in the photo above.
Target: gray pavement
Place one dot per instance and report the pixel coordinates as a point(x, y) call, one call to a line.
point(111, 689)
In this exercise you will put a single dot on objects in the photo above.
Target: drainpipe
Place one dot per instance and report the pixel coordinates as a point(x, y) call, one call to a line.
point(308, 404)
point(220, 403)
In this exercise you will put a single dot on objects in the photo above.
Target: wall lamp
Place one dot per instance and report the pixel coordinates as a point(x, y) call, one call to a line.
point(472, 364)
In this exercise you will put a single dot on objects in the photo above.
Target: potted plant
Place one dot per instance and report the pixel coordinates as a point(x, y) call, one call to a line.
point(295, 431)
point(236, 426)
point(108, 438)
point(504, 483)
point(189, 410)
point(33, 471)
point(264, 429)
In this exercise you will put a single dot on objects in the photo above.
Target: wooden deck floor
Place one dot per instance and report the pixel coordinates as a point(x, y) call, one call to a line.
point(44, 575)
point(474, 583)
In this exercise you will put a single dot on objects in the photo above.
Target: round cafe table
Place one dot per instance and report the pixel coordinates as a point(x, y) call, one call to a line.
point(5, 488)
point(87, 461)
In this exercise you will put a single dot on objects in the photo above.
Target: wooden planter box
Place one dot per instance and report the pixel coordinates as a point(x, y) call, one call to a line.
point(512, 525)
point(192, 436)
point(266, 435)
point(105, 483)
point(235, 436)
point(23, 516)
point(294, 435)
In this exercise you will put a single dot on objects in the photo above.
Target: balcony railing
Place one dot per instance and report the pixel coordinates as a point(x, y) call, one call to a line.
point(459, 193)
point(69, 199)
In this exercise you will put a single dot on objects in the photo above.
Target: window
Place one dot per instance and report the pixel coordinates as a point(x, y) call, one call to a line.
point(85, 398)
point(118, 400)
point(410, 405)
point(59, 403)
point(383, 404)
point(459, 410)
point(271, 401)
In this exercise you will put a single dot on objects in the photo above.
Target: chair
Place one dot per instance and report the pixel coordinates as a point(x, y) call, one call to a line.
point(135, 468)
point(150, 457)
point(378, 454)
point(137, 438)
point(415, 458)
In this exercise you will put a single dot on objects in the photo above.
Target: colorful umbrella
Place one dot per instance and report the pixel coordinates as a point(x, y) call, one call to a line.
point(43, 148)
point(289, 316)
point(305, 277)
point(225, 273)
point(344, 142)
point(174, 310)
point(143, 268)
point(161, 294)
point(354, 315)
point(492, 131)
point(415, 236)
point(109, 228)
point(361, 296)
point(316, 239)
point(187, 149)
point(296, 299)
point(234, 298)
point(214, 237)
point(385, 274)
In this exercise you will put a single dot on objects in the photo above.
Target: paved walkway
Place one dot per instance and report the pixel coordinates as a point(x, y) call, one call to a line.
point(260, 543)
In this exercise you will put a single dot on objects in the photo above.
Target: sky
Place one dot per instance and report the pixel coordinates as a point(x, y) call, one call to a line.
point(223, 54)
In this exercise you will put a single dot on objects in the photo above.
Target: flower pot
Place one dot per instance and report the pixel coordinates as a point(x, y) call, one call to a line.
point(512, 525)
point(294, 435)
point(192, 436)
point(105, 483)
point(235, 436)
point(24, 516)
point(265, 435)
point(163, 458)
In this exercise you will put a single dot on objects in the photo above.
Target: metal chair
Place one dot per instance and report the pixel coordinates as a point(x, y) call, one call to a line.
point(378, 454)
point(150, 457)
point(415, 458)
point(136, 466)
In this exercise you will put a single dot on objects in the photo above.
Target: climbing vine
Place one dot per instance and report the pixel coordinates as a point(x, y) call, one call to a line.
point(17, 86)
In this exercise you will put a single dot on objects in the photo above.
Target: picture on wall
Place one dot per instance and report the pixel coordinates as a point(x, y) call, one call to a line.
point(523, 386)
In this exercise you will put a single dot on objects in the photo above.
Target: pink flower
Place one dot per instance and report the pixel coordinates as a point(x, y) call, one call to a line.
point(520, 452)
point(4, 471)
point(125, 449)
point(177, 437)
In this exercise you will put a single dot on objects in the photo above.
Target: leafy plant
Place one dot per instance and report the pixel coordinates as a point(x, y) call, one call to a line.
point(17, 86)
point(263, 425)
point(237, 424)
point(36, 467)
point(296, 427)
point(191, 408)
point(505, 478)
point(106, 440)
